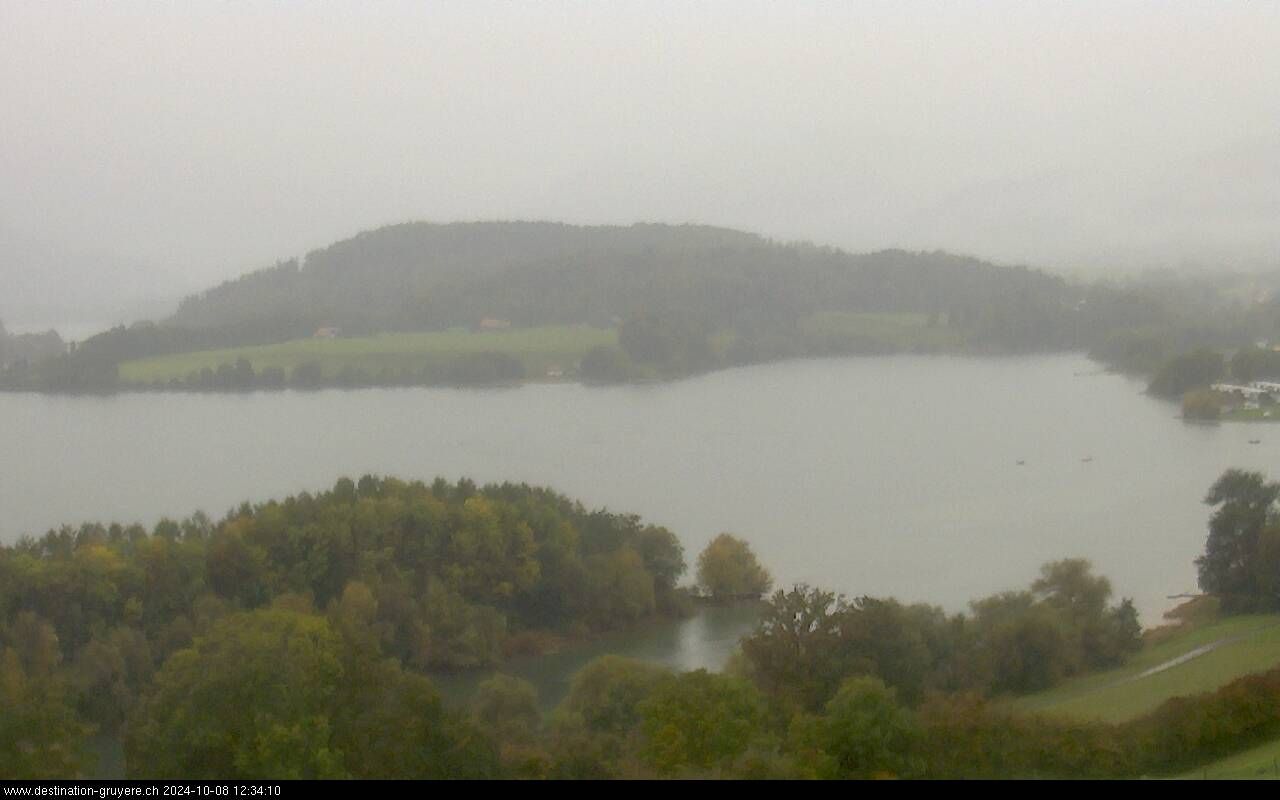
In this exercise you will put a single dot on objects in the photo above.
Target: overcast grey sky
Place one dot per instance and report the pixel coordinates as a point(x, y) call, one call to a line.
point(158, 147)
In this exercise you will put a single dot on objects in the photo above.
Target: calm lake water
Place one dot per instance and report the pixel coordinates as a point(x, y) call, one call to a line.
point(704, 641)
point(882, 476)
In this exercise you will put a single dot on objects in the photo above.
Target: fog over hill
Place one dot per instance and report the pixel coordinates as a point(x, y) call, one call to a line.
point(78, 291)
point(429, 276)
point(1215, 211)
point(197, 144)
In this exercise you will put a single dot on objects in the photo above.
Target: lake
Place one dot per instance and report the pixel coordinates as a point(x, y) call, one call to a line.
point(882, 476)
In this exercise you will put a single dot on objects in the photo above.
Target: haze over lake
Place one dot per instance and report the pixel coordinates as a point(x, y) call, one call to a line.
point(882, 476)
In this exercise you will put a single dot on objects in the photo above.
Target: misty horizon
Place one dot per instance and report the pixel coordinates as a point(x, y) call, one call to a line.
point(154, 152)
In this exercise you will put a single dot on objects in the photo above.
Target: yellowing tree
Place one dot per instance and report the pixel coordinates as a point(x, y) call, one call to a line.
point(728, 568)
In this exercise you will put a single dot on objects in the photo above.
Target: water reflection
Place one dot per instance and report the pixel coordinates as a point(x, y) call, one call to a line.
point(703, 641)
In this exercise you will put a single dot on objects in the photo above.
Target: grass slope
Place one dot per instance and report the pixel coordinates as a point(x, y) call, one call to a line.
point(538, 348)
point(1119, 694)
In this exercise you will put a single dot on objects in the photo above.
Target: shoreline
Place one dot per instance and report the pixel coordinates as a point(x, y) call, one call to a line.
point(174, 388)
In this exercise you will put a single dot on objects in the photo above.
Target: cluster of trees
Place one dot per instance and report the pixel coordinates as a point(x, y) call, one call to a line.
point(92, 365)
point(1190, 375)
point(104, 623)
point(630, 719)
point(1241, 560)
point(1188, 371)
point(290, 693)
point(810, 641)
point(1142, 325)
point(654, 345)
point(675, 343)
point(1176, 331)
point(287, 691)
point(872, 688)
point(467, 369)
point(1203, 404)
point(1254, 363)
point(297, 688)
point(20, 349)
point(41, 736)
point(728, 570)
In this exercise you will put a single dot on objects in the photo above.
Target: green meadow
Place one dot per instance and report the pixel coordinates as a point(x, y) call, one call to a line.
point(540, 350)
point(1268, 414)
point(1252, 644)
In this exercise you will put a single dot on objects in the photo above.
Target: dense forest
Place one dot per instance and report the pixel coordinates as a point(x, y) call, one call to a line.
point(422, 276)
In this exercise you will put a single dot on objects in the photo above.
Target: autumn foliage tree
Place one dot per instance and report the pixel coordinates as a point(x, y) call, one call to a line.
point(728, 568)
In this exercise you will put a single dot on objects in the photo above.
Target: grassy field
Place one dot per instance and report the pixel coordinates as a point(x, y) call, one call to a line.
point(540, 349)
point(1119, 694)
point(910, 332)
point(1270, 414)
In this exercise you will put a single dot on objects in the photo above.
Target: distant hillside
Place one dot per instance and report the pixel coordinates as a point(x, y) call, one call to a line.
point(423, 276)
point(389, 276)
point(1215, 211)
point(681, 298)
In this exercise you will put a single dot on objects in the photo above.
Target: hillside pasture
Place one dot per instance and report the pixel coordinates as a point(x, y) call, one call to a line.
point(540, 350)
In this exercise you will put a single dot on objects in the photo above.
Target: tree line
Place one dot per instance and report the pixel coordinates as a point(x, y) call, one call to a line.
point(20, 349)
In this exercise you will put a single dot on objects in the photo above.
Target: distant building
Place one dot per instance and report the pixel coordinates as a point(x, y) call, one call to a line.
point(1244, 392)
point(1253, 396)
point(491, 324)
point(327, 333)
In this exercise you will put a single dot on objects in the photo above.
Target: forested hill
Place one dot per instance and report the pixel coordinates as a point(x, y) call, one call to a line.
point(423, 276)
point(621, 303)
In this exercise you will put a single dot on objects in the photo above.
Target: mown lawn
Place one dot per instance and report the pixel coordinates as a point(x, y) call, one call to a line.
point(1117, 695)
point(539, 349)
